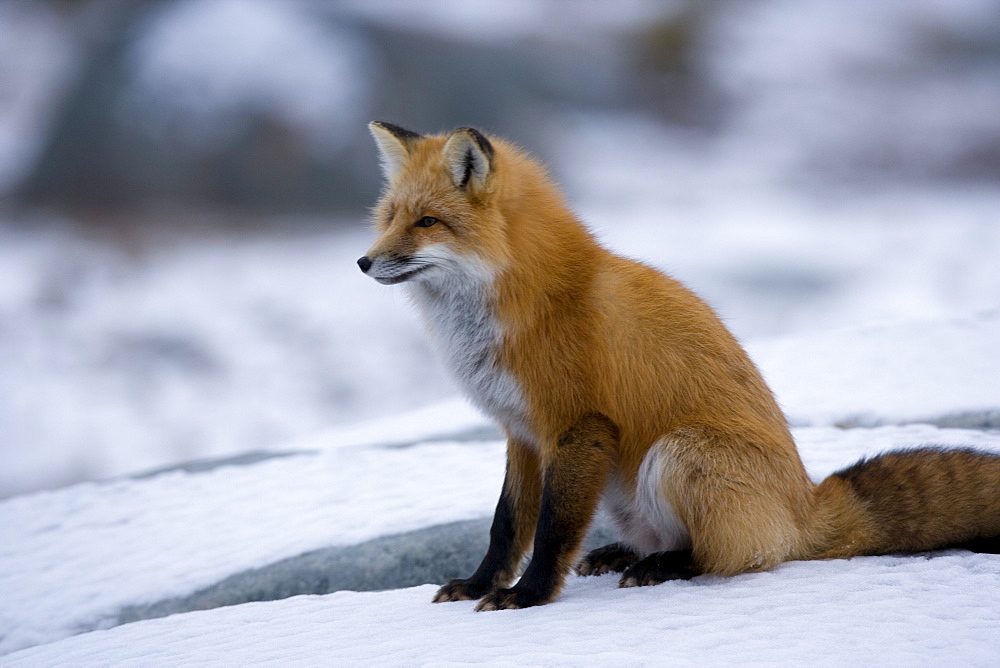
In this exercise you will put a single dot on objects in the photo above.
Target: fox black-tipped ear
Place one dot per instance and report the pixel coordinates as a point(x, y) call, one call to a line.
point(468, 155)
point(393, 145)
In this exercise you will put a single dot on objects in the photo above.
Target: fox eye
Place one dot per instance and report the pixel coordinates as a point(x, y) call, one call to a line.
point(426, 221)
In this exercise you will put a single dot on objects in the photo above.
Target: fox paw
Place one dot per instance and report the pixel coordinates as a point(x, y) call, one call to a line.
point(613, 558)
point(657, 568)
point(460, 590)
point(510, 599)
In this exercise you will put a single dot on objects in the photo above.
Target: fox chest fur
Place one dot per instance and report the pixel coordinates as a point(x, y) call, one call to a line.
point(460, 317)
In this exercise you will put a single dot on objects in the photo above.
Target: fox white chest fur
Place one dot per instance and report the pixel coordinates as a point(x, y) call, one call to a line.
point(456, 309)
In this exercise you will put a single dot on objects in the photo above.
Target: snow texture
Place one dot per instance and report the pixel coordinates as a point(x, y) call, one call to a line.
point(900, 610)
point(95, 548)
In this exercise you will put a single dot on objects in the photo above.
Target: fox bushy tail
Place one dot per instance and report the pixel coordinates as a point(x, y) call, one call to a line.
point(914, 500)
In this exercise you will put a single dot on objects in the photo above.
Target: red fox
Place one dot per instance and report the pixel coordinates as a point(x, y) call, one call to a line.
point(616, 384)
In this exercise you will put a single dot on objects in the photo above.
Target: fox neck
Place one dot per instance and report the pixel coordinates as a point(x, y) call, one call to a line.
point(460, 313)
point(552, 254)
point(556, 261)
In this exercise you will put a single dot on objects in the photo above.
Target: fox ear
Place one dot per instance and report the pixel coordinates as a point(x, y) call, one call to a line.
point(469, 157)
point(393, 145)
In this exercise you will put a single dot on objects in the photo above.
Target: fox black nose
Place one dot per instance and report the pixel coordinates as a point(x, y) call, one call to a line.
point(365, 264)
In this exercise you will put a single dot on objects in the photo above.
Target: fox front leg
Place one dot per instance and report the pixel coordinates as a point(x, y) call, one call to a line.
point(512, 530)
point(572, 486)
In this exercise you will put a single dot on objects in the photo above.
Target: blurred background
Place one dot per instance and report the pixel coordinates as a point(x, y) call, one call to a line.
point(184, 188)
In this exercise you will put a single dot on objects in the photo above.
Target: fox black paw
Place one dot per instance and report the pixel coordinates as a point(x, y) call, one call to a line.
point(659, 567)
point(511, 599)
point(613, 558)
point(461, 590)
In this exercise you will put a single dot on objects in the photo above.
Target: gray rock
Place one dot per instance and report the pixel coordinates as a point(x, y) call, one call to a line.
point(431, 555)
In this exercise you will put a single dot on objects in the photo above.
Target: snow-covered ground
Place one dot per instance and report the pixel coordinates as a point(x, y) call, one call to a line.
point(72, 559)
point(884, 610)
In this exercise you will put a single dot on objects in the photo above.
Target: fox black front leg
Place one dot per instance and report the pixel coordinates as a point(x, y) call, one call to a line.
point(573, 482)
point(511, 532)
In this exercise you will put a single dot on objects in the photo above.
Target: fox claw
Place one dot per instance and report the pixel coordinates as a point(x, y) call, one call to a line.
point(509, 599)
point(658, 568)
point(613, 558)
point(460, 590)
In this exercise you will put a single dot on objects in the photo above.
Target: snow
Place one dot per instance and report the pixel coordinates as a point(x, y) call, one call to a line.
point(871, 310)
point(200, 349)
point(98, 547)
point(72, 559)
point(197, 65)
point(930, 371)
point(900, 610)
point(440, 421)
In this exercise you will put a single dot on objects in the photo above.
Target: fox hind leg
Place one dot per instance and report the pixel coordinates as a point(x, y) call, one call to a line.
point(613, 558)
point(659, 567)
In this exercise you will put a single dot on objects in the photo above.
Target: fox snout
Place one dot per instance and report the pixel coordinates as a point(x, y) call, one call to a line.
point(392, 269)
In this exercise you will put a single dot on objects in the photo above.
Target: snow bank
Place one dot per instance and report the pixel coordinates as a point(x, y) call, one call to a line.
point(896, 610)
point(945, 372)
point(76, 559)
point(73, 559)
point(455, 419)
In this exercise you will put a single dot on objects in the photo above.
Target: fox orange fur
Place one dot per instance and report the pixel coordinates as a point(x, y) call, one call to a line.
point(614, 383)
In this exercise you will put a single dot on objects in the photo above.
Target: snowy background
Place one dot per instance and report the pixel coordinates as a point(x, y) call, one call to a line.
point(183, 194)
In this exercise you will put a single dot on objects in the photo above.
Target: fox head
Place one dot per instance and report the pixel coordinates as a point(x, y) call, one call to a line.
point(437, 217)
